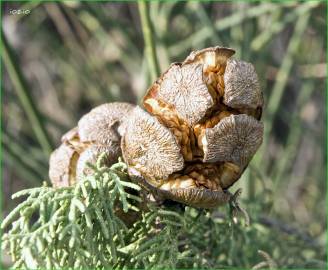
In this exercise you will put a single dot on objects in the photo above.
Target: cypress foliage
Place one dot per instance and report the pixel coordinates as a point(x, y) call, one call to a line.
point(105, 222)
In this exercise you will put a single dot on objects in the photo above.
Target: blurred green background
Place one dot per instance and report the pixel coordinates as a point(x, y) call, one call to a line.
point(62, 59)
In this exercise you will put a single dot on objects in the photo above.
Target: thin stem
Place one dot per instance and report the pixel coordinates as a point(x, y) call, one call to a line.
point(22, 169)
point(23, 94)
point(284, 71)
point(21, 149)
point(267, 34)
point(227, 22)
point(281, 82)
point(150, 48)
point(293, 139)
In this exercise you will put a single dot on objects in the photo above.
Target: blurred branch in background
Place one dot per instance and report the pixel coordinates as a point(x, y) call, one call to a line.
point(17, 162)
point(227, 22)
point(150, 48)
point(282, 78)
point(33, 161)
point(260, 40)
point(24, 96)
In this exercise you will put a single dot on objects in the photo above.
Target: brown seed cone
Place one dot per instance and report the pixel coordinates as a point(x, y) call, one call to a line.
point(150, 147)
point(229, 174)
point(234, 139)
point(60, 169)
point(214, 121)
point(242, 87)
point(200, 198)
point(97, 132)
point(168, 117)
point(182, 88)
point(101, 123)
point(199, 134)
point(186, 94)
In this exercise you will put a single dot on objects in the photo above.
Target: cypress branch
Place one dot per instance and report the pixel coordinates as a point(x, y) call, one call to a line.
point(104, 222)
